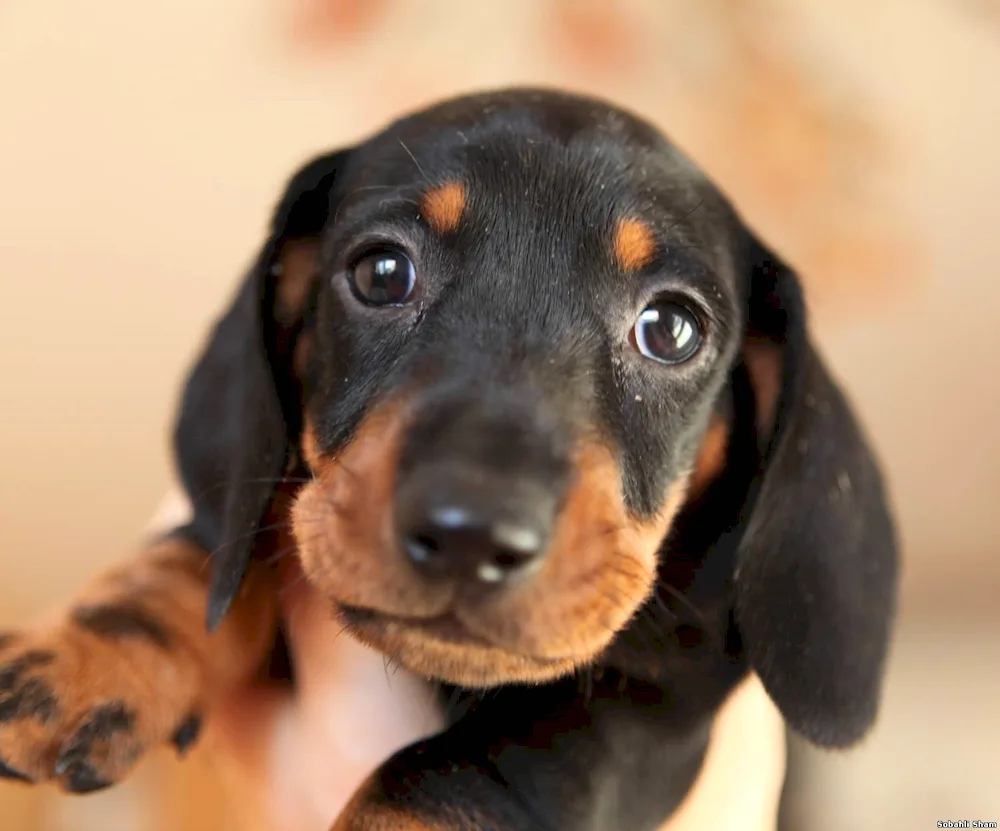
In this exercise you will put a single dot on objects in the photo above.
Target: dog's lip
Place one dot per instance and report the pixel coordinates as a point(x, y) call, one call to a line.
point(444, 628)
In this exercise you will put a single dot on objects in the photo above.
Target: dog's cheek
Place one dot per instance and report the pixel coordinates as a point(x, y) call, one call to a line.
point(343, 521)
point(342, 561)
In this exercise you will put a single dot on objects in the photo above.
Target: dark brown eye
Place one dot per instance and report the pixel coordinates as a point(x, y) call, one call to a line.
point(667, 332)
point(383, 278)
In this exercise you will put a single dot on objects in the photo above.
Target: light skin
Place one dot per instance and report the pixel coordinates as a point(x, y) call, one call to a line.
point(291, 759)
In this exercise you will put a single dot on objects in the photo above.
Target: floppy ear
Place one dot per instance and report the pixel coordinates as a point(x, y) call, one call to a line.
point(239, 417)
point(816, 572)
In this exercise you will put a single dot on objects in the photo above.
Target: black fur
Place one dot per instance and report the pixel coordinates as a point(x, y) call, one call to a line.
point(187, 734)
point(7, 772)
point(122, 620)
point(27, 696)
point(785, 565)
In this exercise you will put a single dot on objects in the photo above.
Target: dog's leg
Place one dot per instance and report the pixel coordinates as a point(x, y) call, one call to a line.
point(622, 761)
point(127, 666)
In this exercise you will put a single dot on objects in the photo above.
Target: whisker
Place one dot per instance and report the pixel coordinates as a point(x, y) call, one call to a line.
point(349, 194)
point(292, 584)
point(341, 465)
point(680, 597)
point(277, 526)
point(653, 624)
point(277, 556)
point(662, 606)
point(686, 216)
point(611, 531)
point(414, 158)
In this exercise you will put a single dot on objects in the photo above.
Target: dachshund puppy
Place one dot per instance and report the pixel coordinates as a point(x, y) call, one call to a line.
point(540, 417)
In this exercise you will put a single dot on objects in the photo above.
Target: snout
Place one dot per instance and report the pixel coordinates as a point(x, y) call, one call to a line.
point(475, 526)
point(479, 489)
point(476, 539)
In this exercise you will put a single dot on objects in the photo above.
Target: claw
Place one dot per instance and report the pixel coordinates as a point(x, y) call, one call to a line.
point(79, 776)
point(187, 733)
point(7, 772)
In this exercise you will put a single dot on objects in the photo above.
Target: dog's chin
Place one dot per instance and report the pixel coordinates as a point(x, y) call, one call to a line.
point(442, 649)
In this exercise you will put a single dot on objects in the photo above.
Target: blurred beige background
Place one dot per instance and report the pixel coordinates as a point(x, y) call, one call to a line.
point(142, 146)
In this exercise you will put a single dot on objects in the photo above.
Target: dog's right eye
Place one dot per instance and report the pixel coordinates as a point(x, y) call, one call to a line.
point(383, 277)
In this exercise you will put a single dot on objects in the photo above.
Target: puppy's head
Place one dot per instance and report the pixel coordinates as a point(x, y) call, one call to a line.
point(499, 337)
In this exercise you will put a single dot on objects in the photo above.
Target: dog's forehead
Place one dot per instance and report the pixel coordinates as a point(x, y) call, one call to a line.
point(541, 141)
point(559, 117)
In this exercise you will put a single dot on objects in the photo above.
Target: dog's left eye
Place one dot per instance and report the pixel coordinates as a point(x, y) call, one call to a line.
point(667, 332)
point(383, 277)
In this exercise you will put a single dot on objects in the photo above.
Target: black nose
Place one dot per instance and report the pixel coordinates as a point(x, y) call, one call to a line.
point(486, 534)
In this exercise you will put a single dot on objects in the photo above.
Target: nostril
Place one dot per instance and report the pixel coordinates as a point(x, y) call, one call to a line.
point(423, 548)
point(506, 560)
point(428, 545)
point(427, 542)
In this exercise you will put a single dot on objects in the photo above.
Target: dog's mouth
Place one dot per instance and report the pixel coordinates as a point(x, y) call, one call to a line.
point(446, 628)
point(444, 648)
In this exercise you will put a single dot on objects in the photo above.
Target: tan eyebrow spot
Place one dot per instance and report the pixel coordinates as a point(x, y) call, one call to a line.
point(634, 244)
point(443, 206)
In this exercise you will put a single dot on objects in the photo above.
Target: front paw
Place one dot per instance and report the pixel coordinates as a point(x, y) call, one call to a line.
point(80, 703)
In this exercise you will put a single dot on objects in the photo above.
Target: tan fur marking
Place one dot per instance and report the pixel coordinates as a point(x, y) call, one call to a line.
point(310, 446)
point(765, 364)
point(711, 456)
point(443, 206)
point(297, 270)
point(634, 244)
point(302, 354)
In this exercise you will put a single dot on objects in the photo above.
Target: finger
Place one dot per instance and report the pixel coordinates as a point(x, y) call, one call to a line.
point(174, 510)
